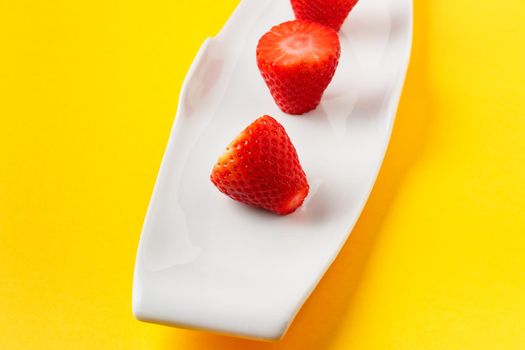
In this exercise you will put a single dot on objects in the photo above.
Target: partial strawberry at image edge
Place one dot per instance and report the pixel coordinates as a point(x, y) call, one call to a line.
point(331, 13)
point(261, 168)
point(297, 60)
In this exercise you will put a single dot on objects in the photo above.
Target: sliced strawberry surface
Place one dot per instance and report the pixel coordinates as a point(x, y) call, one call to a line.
point(297, 42)
point(261, 168)
point(297, 60)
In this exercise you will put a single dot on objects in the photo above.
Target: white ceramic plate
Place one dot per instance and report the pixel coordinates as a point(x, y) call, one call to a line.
point(205, 261)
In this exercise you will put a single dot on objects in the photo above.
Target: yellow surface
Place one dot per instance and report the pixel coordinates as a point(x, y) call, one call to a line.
point(88, 91)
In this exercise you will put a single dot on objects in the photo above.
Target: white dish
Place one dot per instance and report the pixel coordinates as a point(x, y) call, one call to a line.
point(205, 261)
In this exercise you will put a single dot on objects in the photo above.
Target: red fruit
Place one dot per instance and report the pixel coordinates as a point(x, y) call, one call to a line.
point(297, 60)
point(261, 168)
point(331, 13)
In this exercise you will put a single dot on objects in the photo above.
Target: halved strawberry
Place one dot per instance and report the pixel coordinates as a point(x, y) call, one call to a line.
point(331, 13)
point(297, 60)
point(261, 168)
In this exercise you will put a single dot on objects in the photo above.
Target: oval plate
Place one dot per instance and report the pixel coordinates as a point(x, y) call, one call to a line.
point(205, 261)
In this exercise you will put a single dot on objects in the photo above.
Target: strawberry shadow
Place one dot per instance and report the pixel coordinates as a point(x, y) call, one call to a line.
point(320, 320)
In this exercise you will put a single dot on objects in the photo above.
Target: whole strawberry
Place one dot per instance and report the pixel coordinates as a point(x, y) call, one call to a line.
point(331, 13)
point(297, 60)
point(261, 168)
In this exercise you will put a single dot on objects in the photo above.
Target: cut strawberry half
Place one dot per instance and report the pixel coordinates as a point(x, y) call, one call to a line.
point(331, 13)
point(261, 168)
point(297, 60)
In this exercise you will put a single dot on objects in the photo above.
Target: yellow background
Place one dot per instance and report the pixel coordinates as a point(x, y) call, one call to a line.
point(88, 91)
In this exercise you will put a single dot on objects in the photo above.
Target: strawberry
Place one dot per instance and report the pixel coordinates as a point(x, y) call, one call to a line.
point(331, 13)
point(260, 168)
point(297, 60)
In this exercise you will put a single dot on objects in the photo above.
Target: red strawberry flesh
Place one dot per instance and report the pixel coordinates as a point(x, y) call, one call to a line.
point(261, 168)
point(331, 13)
point(297, 60)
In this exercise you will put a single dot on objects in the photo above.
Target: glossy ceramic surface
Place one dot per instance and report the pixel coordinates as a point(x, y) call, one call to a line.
point(205, 261)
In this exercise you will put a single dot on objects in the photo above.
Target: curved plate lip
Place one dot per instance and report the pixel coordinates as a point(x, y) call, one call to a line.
point(141, 309)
